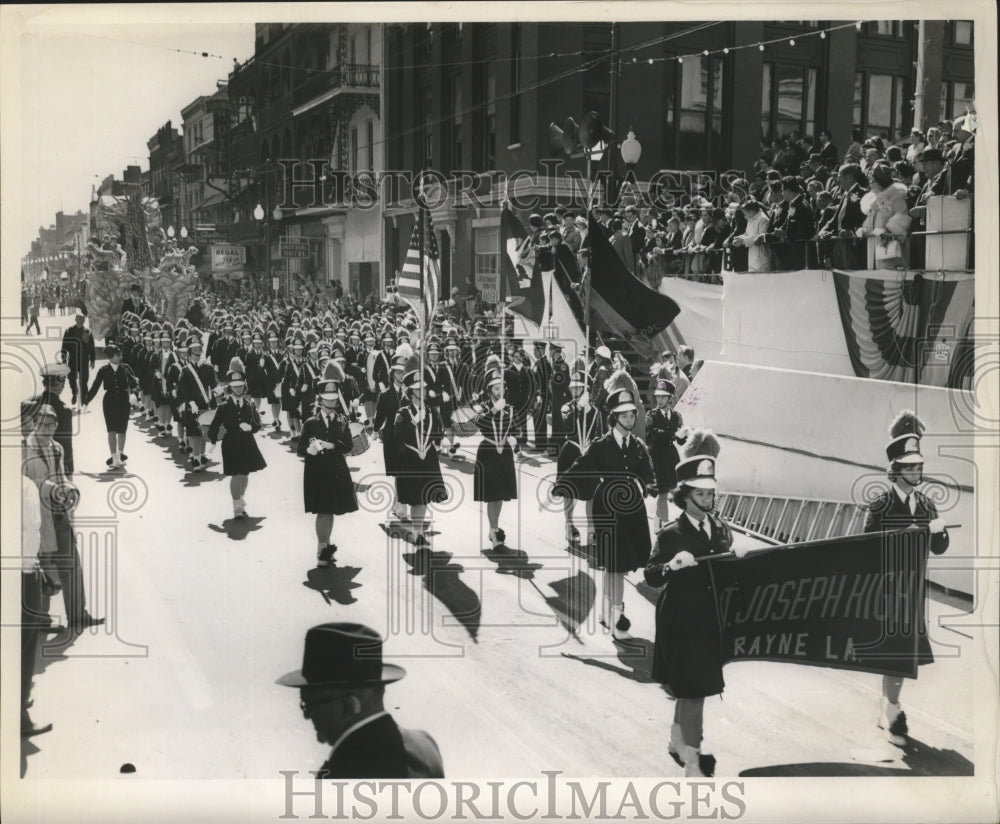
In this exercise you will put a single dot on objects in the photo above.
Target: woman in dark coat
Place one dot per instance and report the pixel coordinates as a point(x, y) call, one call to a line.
point(495, 479)
point(622, 463)
point(257, 379)
point(687, 653)
point(240, 453)
point(118, 382)
point(327, 486)
point(584, 424)
point(664, 430)
point(418, 480)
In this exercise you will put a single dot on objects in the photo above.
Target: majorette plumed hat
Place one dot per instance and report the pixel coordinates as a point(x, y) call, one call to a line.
point(906, 431)
point(621, 401)
point(194, 342)
point(697, 470)
point(494, 378)
point(399, 363)
point(237, 372)
point(342, 654)
point(664, 387)
point(412, 380)
point(577, 379)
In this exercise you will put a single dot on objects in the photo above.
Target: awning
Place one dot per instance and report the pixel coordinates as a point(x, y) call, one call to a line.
point(213, 199)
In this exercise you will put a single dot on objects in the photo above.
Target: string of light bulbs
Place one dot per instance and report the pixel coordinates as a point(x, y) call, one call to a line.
point(760, 45)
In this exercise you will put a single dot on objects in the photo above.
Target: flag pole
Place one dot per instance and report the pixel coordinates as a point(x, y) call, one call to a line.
point(424, 440)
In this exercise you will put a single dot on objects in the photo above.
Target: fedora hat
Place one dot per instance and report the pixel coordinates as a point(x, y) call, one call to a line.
point(342, 654)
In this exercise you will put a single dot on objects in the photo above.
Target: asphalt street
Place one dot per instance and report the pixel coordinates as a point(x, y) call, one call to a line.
point(507, 666)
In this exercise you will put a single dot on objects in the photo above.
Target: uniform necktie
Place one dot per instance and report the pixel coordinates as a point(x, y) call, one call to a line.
point(703, 529)
point(909, 503)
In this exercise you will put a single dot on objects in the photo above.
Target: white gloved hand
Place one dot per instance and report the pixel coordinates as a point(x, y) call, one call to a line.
point(419, 417)
point(500, 405)
point(741, 551)
point(246, 427)
point(291, 393)
point(936, 526)
point(681, 560)
point(445, 397)
point(512, 441)
point(431, 393)
point(584, 403)
point(193, 407)
point(312, 449)
point(354, 404)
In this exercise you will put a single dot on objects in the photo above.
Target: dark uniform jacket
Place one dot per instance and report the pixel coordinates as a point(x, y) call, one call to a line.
point(64, 423)
point(78, 349)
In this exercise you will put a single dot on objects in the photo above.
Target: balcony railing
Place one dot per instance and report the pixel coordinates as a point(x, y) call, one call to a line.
point(346, 76)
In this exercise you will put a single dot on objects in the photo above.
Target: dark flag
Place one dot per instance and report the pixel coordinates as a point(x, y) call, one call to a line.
point(626, 304)
point(520, 279)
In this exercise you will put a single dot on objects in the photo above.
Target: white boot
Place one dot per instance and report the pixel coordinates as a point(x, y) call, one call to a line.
point(692, 762)
point(676, 745)
point(621, 624)
point(893, 721)
point(239, 508)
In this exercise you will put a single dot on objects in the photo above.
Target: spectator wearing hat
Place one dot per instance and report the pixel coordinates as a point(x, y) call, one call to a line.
point(621, 244)
point(687, 652)
point(585, 424)
point(328, 489)
point(342, 692)
point(79, 353)
point(240, 453)
point(134, 301)
point(53, 383)
point(494, 478)
point(664, 430)
point(888, 219)
point(904, 507)
point(936, 183)
point(793, 232)
point(839, 233)
point(571, 234)
point(758, 255)
point(418, 480)
point(42, 462)
point(622, 463)
point(118, 382)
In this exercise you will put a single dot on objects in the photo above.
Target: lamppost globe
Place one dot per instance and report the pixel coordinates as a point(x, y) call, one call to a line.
point(170, 231)
point(258, 213)
point(277, 214)
point(631, 149)
point(184, 232)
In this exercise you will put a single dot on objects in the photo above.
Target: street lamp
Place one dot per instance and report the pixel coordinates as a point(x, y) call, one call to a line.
point(631, 150)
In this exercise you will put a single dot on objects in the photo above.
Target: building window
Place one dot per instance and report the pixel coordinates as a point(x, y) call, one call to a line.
point(788, 103)
point(354, 150)
point(487, 246)
point(885, 28)
point(961, 33)
point(456, 127)
point(515, 83)
point(371, 146)
point(695, 104)
point(879, 105)
point(957, 99)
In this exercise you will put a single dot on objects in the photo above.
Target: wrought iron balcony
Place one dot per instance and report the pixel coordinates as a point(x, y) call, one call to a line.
point(346, 76)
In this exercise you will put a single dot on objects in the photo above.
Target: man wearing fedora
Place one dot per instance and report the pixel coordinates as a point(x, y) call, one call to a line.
point(341, 689)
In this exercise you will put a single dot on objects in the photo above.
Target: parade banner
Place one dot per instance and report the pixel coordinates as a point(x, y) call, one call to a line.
point(852, 603)
point(625, 303)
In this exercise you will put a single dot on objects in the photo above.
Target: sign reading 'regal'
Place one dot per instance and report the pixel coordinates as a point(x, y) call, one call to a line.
point(850, 603)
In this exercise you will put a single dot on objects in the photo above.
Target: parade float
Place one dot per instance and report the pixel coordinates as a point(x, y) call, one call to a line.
point(134, 249)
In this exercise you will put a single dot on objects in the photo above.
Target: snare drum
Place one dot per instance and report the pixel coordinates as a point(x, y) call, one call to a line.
point(205, 418)
point(463, 422)
point(359, 438)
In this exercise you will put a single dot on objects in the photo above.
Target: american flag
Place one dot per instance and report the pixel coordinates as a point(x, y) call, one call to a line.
point(419, 285)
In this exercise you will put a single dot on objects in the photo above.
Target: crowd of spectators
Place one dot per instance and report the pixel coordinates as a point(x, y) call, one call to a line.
point(802, 205)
